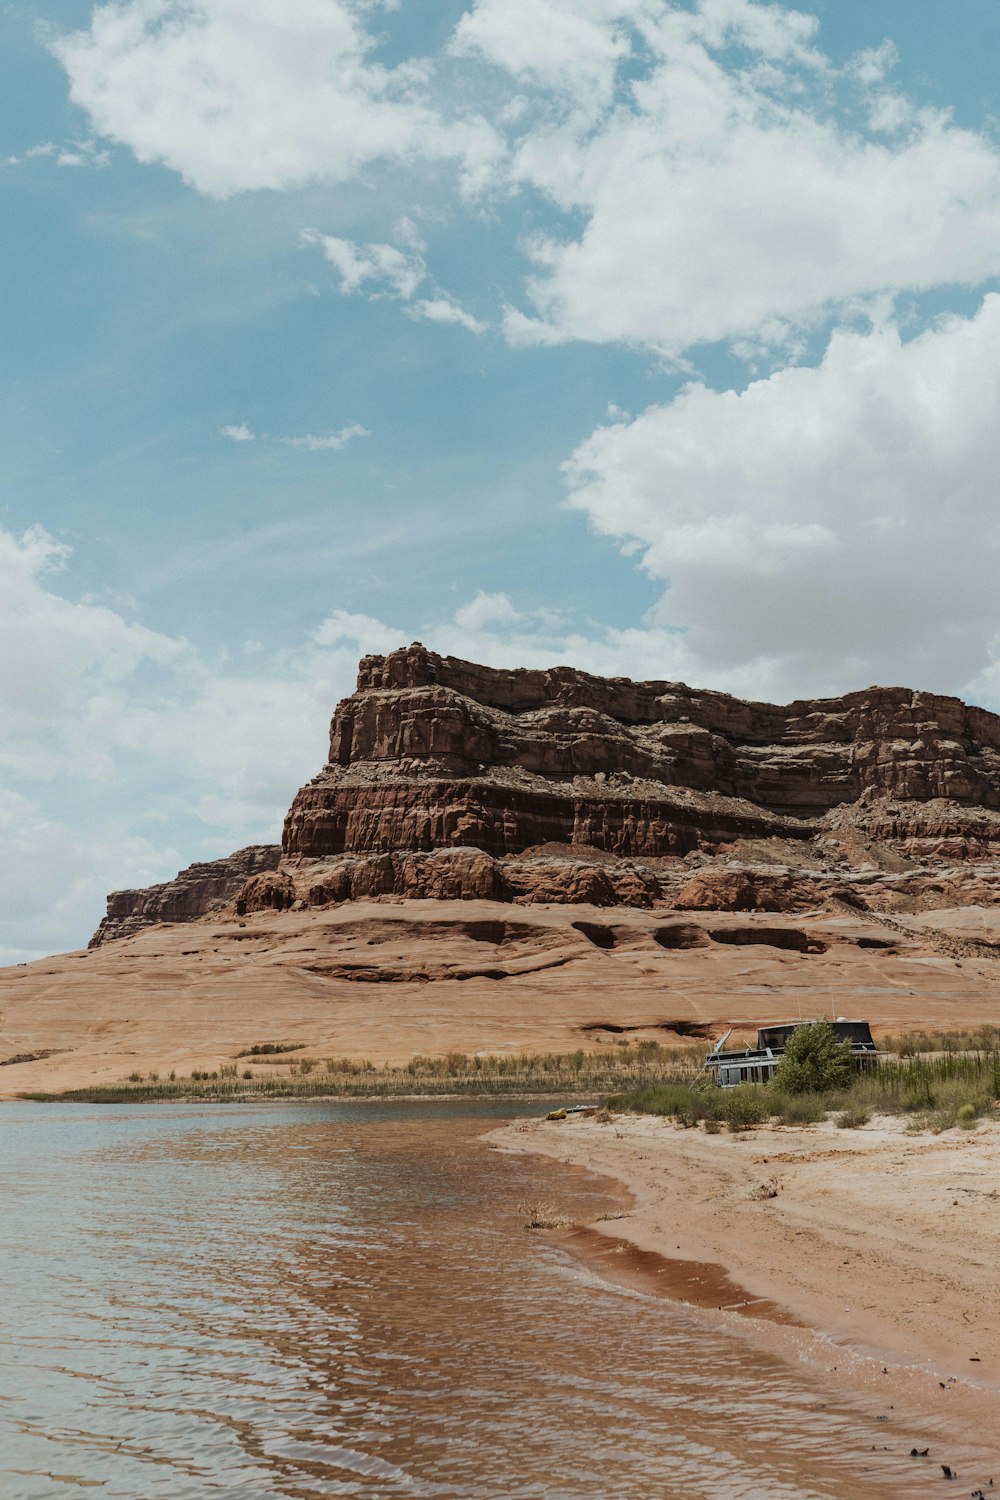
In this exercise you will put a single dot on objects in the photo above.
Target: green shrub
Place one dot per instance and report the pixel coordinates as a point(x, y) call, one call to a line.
point(967, 1116)
point(853, 1117)
point(799, 1109)
point(814, 1061)
point(745, 1106)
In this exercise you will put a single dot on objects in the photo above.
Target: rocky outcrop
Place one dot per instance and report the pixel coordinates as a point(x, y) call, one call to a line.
point(448, 780)
point(431, 752)
point(199, 889)
point(726, 889)
point(452, 875)
point(418, 709)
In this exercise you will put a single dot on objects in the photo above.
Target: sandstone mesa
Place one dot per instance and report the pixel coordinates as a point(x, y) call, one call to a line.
point(530, 860)
point(452, 781)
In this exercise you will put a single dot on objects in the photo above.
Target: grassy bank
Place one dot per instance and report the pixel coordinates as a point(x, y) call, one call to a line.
point(612, 1068)
point(935, 1092)
point(938, 1080)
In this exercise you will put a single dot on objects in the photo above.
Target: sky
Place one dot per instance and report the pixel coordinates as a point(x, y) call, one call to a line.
point(655, 338)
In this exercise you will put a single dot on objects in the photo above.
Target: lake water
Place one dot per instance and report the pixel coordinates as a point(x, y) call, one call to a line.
point(342, 1300)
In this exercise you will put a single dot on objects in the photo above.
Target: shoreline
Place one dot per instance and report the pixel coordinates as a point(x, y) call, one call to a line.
point(868, 1257)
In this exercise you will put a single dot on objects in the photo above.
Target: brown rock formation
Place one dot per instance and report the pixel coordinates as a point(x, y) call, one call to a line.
point(195, 891)
point(448, 780)
point(431, 752)
point(728, 889)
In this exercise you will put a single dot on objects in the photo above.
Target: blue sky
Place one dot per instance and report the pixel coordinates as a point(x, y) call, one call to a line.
point(656, 338)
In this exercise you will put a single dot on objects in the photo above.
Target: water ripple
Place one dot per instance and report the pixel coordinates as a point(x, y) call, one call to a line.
point(341, 1300)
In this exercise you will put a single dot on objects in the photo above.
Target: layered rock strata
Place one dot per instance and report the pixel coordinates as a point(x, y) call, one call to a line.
point(455, 781)
point(431, 753)
point(201, 888)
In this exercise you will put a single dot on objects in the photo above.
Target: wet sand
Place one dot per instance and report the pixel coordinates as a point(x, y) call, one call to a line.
point(874, 1263)
point(344, 1299)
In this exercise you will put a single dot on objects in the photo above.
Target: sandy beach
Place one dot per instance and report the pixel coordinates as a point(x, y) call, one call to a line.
point(868, 1254)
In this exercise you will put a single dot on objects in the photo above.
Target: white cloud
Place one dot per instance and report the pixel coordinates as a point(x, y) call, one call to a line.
point(571, 45)
point(77, 153)
point(330, 441)
point(54, 656)
point(827, 527)
point(391, 272)
point(732, 184)
point(341, 628)
point(733, 200)
point(249, 94)
point(398, 272)
point(82, 154)
point(237, 432)
point(132, 738)
point(444, 310)
point(487, 609)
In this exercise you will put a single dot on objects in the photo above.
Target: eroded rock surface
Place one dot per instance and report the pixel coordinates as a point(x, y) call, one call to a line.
point(196, 891)
point(452, 781)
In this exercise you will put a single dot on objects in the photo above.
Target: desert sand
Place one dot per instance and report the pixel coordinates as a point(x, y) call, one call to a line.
point(388, 980)
point(870, 1255)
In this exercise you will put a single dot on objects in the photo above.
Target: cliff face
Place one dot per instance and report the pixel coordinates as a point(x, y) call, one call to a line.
point(450, 780)
point(199, 889)
point(431, 753)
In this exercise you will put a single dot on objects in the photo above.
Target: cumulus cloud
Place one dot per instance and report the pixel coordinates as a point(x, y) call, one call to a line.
point(55, 655)
point(719, 178)
point(125, 752)
point(568, 45)
point(827, 527)
point(730, 199)
point(237, 432)
point(238, 95)
point(76, 153)
point(487, 609)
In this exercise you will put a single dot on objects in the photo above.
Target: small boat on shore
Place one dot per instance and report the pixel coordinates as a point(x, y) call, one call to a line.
point(758, 1065)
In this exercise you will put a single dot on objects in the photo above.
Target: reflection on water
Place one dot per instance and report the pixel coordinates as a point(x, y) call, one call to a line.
point(337, 1300)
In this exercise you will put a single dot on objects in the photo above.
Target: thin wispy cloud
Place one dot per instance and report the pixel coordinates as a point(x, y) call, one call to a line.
point(331, 442)
point(383, 270)
point(76, 153)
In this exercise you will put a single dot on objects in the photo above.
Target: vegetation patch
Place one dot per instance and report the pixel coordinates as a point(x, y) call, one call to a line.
point(941, 1092)
point(270, 1049)
point(563, 1073)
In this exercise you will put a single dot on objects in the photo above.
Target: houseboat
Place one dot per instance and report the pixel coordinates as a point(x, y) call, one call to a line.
point(757, 1065)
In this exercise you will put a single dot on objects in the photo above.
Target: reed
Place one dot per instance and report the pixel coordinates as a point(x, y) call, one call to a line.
point(936, 1089)
point(566, 1073)
point(937, 1092)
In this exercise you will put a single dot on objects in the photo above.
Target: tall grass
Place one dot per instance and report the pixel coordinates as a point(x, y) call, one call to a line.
point(936, 1092)
point(580, 1072)
point(936, 1087)
point(913, 1043)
